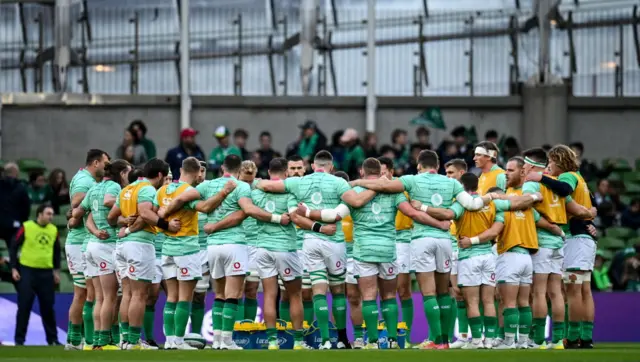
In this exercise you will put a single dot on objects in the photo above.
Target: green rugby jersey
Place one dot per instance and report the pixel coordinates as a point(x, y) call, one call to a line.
point(185, 244)
point(94, 202)
point(432, 190)
point(299, 237)
point(319, 191)
point(158, 241)
point(207, 189)
point(146, 193)
point(480, 249)
point(270, 236)
point(81, 182)
point(374, 228)
point(202, 236)
point(250, 225)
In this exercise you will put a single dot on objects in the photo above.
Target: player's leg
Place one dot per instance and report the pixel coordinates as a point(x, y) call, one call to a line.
point(314, 256)
point(290, 270)
point(87, 309)
point(554, 291)
point(98, 336)
point(141, 260)
point(469, 280)
point(508, 276)
point(368, 283)
point(251, 287)
point(124, 310)
point(388, 286)
point(458, 307)
point(74, 261)
point(199, 297)
point(236, 261)
point(115, 325)
point(109, 284)
point(442, 277)
point(270, 294)
point(588, 253)
point(355, 307)
point(284, 306)
point(539, 307)
point(487, 296)
point(574, 277)
point(170, 277)
point(423, 252)
point(216, 266)
point(189, 272)
point(403, 258)
point(524, 298)
point(335, 256)
point(150, 313)
point(307, 294)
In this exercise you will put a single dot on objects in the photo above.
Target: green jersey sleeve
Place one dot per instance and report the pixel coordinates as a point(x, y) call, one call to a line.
point(118, 199)
point(457, 187)
point(242, 190)
point(502, 205)
point(536, 215)
point(147, 194)
point(499, 217)
point(400, 198)
point(291, 185)
point(570, 179)
point(342, 186)
point(202, 189)
point(292, 202)
point(407, 181)
point(191, 205)
point(458, 210)
point(113, 189)
point(82, 185)
point(86, 204)
point(501, 181)
point(568, 199)
point(530, 187)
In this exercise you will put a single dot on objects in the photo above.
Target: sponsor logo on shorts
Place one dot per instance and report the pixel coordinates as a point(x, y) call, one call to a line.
point(338, 264)
point(236, 265)
point(132, 269)
point(391, 270)
point(103, 265)
point(287, 271)
point(447, 262)
point(184, 271)
point(493, 276)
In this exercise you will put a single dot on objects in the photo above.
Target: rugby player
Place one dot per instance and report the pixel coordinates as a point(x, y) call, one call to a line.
point(486, 159)
point(81, 309)
point(200, 294)
point(248, 307)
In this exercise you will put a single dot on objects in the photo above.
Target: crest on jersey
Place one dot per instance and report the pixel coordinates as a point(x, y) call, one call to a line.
point(376, 208)
point(519, 214)
point(166, 201)
point(270, 206)
point(127, 195)
point(436, 199)
point(316, 198)
point(95, 205)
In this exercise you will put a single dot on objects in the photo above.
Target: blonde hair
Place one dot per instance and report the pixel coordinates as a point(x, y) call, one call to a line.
point(248, 167)
point(564, 157)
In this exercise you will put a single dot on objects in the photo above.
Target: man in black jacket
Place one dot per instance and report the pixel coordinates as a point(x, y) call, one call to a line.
point(15, 205)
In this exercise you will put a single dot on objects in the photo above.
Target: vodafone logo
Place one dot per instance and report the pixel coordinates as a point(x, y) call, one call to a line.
point(103, 265)
point(391, 270)
point(493, 276)
point(184, 271)
point(338, 264)
point(447, 262)
point(132, 269)
point(287, 271)
point(236, 265)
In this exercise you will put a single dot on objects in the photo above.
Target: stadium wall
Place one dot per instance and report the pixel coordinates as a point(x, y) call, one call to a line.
point(60, 128)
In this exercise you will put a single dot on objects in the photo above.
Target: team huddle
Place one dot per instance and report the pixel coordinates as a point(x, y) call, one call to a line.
point(498, 253)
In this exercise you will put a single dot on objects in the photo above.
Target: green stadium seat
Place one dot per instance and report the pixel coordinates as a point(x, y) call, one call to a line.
point(64, 209)
point(610, 243)
point(637, 164)
point(31, 164)
point(633, 242)
point(626, 199)
point(66, 283)
point(631, 176)
point(620, 164)
point(619, 232)
point(632, 188)
point(60, 221)
point(7, 288)
point(63, 263)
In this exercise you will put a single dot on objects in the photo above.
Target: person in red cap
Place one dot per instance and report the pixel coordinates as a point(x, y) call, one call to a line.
point(186, 148)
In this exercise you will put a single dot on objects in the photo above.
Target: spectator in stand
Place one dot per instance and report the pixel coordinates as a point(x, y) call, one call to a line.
point(450, 151)
point(131, 149)
point(631, 275)
point(464, 149)
point(589, 170)
point(399, 143)
point(630, 217)
point(37, 189)
point(413, 162)
point(605, 205)
point(240, 137)
point(15, 205)
point(370, 145)
point(602, 192)
point(354, 154)
point(511, 148)
point(546, 147)
point(225, 148)
point(492, 136)
point(138, 128)
point(266, 154)
point(337, 150)
point(187, 148)
point(387, 151)
point(312, 142)
point(601, 281)
point(58, 189)
point(423, 134)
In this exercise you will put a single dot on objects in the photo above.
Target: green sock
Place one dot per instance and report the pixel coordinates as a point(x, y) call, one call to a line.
point(476, 327)
point(148, 322)
point(75, 334)
point(370, 315)
point(566, 320)
point(124, 329)
point(97, 339)
point(298, 335)
point(525, 319)
point(229, 313)
point(216, 319)
point(574, 331)
point(169, 319)
point(197, 316)
point(115, 334)
point(339, 308)
point(284, 311)
point(183, 310)
point(87, 318)
point(501, 330)
point(134, 334)
point(358, 332)
point(240, 315)
point(511, 319)
point(106, 337)
point(390, 316)
point(250, 308)
point(451, 322)
point(407, 314)
point(558, 332)
point(539, 325)
point(446, 315)
point(322, 314)
point(586, 331)
point(69, 332)
point(272, 334)
point(307, 306)
point(432, 311)
point(491, 326)
point(463, 321)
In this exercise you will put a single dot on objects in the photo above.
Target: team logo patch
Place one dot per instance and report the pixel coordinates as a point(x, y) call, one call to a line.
point(103, 265)
point(436, 199)
point(184, 271)
point(338, 264)
point(493, 276)
point(376, 208)
point(447, 262)
point(270, 206)
point(316, 198)
point(287, 271)
point(391, 270)
point(236, 265)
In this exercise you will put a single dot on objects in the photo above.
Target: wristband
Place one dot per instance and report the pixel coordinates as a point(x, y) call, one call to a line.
point(534, 197)
point(275, 218)
point(475, 240)
point(316, 227)
point(163, 224)
point(307, 213)
point(127, 231)
point(424, 208)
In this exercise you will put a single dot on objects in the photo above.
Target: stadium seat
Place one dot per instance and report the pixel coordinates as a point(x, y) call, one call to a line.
point(619, 232)
point(619, 164)
point(631, 176)
point(610, 243)
point(66, 283)
point(637, 164)
point(615, 176)
point(7, 288)
point(632, 188)
point(60, 221)
point(633, 242)
point(64, 209)
point(626, 199)
point(31, 164)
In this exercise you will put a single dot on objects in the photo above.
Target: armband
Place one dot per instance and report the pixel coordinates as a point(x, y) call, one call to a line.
point(163, 224)
point(275, 218)
point(316, 227)
point(424, 207)
point(475, 240)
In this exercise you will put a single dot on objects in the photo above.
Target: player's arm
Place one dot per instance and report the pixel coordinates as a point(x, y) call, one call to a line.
point(325, 215)
point(580, 211)
point(383, 185)
point(126, 221)
point(207, 206)
point(111, 195)
point(484, 237)
point(436, 212)
point(137, 225)
point(544, 224)
point(78, 212)
point(234, 219)
point(77, 198)
point(560, 188)
point(257, 213)
point(422, 217)
point(308, 224)
point(273, 186)
point(114, 215)
point(519, 202)
point(357, 200)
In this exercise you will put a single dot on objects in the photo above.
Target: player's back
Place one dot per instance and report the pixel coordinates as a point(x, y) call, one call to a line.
point(81, 182)
point(95, 200)
point(135, 193)
point(235, 234)
point(274, 237)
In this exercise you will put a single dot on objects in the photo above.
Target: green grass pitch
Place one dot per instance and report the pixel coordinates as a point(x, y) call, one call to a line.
point(604, 352)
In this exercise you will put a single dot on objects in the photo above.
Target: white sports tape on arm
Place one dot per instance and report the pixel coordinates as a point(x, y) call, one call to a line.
point(469, 202)
point(343, 210)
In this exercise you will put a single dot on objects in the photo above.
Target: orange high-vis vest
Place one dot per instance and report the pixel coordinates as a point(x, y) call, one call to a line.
point(188, 218)
point(488, 180)
point(552, 206)
point(581, 194)
point(474, 223)
point(519, 229)
point(129, 202)
point(347, 229)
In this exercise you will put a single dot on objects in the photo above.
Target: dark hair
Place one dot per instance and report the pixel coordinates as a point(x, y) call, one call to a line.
point(295, 158)
point(546, 147)
point(278, 165)
point(342, 175)
point(396, 133)
point(371, 166)
point(203, 164)
point(265, 134)
point(95, 155)
point(491, 134)
point(428, 159)
point(191, 165)
point(113, 169)
point(42, 207)
point(155, 166)
point(135, 174)
point(33, 176)
point(52, 177)
point(232, 163)
point(422, 131)
point(134, 135)
point(536, 154)
point(460, 131)
point(577, 145)
point(415, 146)
point(240, 133)
point(495, 189)
point(386, 148)
point(469, 181)
point(140, 125)
point(517, 159)
point(458, 163)
point(386, 161)
point(323, 156)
